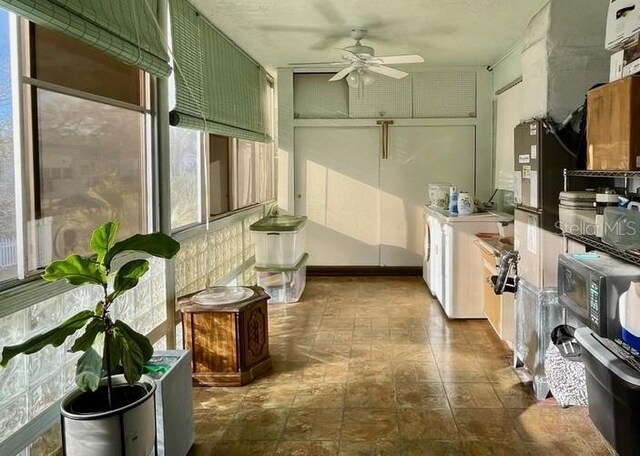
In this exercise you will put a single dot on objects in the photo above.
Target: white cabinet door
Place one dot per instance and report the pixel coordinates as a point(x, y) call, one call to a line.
point(419, 156)
point(435, 264)
point(337, 188)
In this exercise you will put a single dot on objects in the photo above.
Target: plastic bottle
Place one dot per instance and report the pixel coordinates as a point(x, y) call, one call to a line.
point(630, 315)
point(453, 201)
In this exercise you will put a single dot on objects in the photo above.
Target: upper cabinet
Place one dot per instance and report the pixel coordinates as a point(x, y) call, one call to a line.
point(386, 97)
point(432, 94)
point(444, 94)
point(314, 97)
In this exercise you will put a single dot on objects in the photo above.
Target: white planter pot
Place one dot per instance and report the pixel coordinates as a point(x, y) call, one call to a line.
point(126, 431)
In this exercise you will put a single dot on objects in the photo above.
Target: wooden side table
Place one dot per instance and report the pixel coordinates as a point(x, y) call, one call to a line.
point(229, 343)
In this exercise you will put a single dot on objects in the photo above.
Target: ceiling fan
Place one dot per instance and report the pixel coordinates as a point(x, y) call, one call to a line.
point(361, 63)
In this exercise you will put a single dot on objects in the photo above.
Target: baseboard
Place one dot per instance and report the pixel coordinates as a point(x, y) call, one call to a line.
point(364, 271)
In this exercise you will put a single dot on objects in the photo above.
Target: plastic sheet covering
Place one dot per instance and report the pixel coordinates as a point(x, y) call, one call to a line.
point(563, 57)
point(537, 313)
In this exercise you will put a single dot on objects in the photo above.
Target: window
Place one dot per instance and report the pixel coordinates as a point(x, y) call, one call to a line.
point(219, 158)
point(239, 173)
point(186, 201)
point(87, 131)
point(253, 173)
point(8, 237)
point(84, 138)
point(243, 184)
point(265, 182)
point(90, 170)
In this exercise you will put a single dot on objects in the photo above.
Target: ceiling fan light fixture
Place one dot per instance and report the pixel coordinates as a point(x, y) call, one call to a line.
point(360, 77)
point(367, 77)
point(353, 79)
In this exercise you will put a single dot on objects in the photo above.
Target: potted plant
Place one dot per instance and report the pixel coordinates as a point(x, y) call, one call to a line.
point(113, 411)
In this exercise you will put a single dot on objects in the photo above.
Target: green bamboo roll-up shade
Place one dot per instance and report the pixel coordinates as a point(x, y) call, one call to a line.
point(125, 29)
point(219, 89)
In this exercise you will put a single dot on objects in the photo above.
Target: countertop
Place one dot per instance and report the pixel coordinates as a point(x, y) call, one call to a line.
point(494, 243)
point(475, 217)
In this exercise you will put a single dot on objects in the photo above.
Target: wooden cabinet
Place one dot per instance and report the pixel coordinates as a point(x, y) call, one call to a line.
point(229, 343)
point(499, 309)
point(491, 302)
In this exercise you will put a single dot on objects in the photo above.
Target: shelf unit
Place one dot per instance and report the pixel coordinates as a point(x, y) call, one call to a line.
point(587, 173)
point(592, 241)
point(596, 243)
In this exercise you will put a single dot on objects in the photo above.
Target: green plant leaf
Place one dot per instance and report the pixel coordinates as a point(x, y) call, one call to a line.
point(128, 276)
point(55, 337)
point(103, 238)
point(131, 355)
point(155, 244)
point(89, 366)
point(84, 342)
point(115, 353)
point(76, 270)
point(140, 340)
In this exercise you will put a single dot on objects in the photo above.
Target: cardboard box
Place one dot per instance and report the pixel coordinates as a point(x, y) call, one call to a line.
point(613, 116)
point(623, 22)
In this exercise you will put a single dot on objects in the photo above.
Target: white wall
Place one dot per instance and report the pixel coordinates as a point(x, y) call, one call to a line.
point(508, 115)
point(287, 124)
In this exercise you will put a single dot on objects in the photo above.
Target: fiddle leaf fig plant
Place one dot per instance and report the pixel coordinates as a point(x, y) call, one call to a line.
point(107, 346)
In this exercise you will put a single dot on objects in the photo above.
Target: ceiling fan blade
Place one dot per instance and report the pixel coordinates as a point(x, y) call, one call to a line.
point(398, 59)
point(386, 71)
point(341, 74)
point(350, 55)
point(319, 64)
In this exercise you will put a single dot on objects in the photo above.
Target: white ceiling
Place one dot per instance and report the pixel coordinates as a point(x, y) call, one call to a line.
point(444, 32)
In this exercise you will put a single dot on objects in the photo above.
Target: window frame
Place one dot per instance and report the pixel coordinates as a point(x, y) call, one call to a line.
point(25, 144)
point(205, 159)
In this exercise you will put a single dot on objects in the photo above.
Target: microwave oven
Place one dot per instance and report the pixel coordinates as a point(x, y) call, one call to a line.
point(590, 286)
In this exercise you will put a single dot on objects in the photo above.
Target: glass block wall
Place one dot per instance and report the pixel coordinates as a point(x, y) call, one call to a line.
point(210, 258)
point(31, 384)
point(222, 255)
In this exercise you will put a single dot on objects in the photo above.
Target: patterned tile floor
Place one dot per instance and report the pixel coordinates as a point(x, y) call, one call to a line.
point(373, 367)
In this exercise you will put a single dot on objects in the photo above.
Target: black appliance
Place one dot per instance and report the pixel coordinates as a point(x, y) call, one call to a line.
point(590, 286)
point(613, 388)
point(539, 161)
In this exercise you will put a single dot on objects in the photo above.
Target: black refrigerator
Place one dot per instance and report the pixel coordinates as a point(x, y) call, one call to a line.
point(539, 161)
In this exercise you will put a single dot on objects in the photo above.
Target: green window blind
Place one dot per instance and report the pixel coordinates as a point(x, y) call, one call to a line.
point(125, 29)
point(219, 88)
